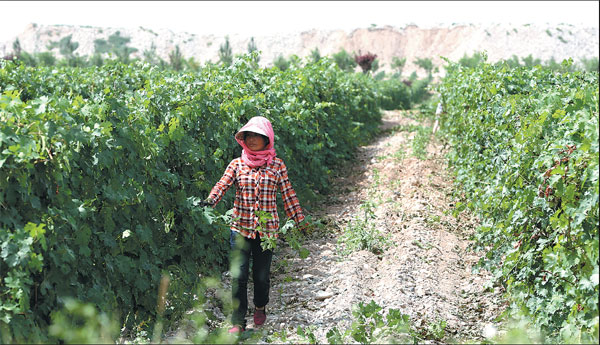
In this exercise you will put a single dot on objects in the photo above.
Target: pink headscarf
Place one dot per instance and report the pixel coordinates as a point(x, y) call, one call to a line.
point(260, 125)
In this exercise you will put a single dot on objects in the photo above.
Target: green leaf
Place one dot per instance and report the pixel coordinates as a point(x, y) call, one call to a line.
point(85, 251)
point(35, 230)
point(558, 170)
point(304, 253)
point(82, 237)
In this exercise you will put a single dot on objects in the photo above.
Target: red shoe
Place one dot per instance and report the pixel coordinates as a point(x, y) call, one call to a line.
point(260, 316)
point(236, 329)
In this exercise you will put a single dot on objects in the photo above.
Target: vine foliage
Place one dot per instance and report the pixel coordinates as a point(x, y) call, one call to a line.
point(102, 170)
point(525, 154)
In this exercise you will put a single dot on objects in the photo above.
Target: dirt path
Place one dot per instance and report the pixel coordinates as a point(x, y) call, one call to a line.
point(425, 274)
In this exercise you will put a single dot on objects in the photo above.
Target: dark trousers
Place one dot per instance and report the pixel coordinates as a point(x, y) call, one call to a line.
point(242, 249)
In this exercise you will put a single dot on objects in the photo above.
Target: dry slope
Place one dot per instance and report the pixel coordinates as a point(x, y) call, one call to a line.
point(501, 41)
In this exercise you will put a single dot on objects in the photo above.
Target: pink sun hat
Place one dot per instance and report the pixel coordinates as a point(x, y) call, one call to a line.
point(260, 125)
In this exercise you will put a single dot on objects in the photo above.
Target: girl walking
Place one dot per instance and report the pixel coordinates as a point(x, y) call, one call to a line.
point(257, 175)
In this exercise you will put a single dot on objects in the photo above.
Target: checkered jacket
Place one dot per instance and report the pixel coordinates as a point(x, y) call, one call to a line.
point(256, 189)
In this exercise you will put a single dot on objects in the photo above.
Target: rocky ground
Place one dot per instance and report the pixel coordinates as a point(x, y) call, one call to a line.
point(426, 273)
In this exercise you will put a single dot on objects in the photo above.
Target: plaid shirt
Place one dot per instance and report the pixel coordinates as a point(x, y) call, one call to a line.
point(257, 190)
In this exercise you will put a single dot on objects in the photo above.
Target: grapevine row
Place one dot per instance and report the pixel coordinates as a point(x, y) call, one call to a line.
point(101, 169)
point(525, 153)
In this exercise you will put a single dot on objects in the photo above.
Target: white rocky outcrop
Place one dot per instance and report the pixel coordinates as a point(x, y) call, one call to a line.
point(500, 41)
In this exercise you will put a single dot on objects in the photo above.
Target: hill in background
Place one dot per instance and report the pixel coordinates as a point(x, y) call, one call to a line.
point(500, 41)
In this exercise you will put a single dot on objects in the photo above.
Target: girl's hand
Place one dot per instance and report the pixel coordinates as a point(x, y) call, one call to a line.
point(208, 202)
